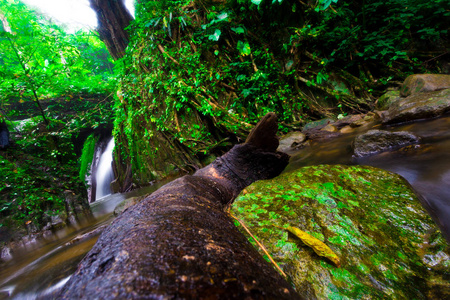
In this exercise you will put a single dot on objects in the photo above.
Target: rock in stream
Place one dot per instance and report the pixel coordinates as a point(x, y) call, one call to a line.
point(376, 141)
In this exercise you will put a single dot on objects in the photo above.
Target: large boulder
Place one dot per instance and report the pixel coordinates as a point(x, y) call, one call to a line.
point(418, 106)
point(418, 83)
point(388, 247)
point(375, 141)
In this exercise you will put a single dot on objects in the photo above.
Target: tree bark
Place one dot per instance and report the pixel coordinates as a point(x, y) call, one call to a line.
point(180, 243)
point(113, 17)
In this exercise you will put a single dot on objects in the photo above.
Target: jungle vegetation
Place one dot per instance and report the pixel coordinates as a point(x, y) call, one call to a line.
point(196, 74)
point(194, 77)
point(55, 88)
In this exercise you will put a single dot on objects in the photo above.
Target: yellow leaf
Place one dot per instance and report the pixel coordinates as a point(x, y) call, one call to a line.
point(318, 246)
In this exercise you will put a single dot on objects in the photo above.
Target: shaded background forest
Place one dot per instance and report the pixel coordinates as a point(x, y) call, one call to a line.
point(194, 77)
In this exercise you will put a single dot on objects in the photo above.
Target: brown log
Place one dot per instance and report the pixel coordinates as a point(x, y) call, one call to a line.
point(179, 243)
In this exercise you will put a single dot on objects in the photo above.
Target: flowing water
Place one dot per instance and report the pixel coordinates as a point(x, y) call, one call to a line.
point(104, 174)
point(47, 266)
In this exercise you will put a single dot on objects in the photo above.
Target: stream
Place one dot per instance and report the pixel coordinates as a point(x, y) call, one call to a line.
point(45, 268)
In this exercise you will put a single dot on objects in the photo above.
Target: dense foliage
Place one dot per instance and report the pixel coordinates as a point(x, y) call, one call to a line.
point(195, 77)
point(40, 57)
point(54, 87)
point(197, 73)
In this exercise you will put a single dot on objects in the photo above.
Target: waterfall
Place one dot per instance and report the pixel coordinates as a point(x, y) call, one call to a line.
point(104, 174)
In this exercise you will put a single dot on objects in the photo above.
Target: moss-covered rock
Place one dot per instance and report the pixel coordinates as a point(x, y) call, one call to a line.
point(387, 244)
point(417, 83)
point(385, 101)
point(319, 124)
point(418, 106)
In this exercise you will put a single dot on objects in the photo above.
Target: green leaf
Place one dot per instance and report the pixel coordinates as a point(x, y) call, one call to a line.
point(215, 37)
point(238, 30)
point(243, 48)
point(223, 16)
point(256, 2)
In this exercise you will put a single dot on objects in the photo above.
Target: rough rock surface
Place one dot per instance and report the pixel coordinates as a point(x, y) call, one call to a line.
point(386, 100)
point(319, 124)
point(418, 83)
point(330, 128)
point(122, 206)
point(375, 141)
point(418, 106)
point(291, 141)
point(389, 248)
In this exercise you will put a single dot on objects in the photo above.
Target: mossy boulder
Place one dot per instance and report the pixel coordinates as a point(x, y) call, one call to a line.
point(389, 248)
point(418, 83)
point(418, 106)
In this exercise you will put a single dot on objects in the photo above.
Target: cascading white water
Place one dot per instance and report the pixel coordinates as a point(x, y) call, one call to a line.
point(104, 174)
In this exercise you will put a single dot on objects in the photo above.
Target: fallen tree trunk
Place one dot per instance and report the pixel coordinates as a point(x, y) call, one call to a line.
point(179, 243)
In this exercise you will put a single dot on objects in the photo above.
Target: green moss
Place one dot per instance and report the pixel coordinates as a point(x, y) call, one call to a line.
point(87, 154)
point(388, 246)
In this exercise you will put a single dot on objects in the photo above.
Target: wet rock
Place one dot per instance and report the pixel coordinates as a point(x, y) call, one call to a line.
point(317, 134)
point(76, 206)
point(127, 203)
point(31, 227)
point(418, 83)
point(318, 124)
point(54, 222)
point(347, 129)
point(418, 106)
point(330, 128)
point(321, 135)
point(5, 254)
point(370, 119)
point(86, 236)
point(385, 101)
point(375, 141)
point(348, 120)
point(389, 248)
point(291, 141)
